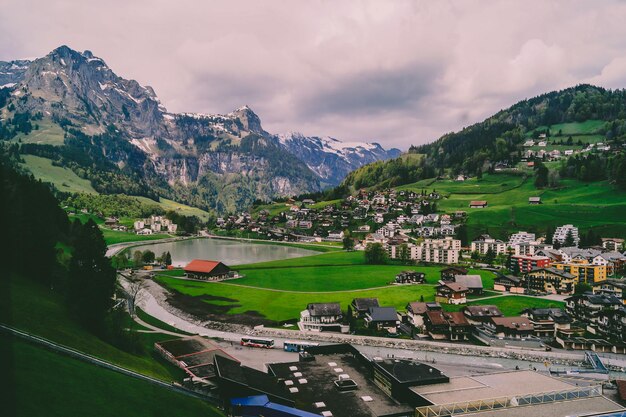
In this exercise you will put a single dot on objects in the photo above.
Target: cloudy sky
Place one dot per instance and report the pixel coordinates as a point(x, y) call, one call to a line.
point(396, 72)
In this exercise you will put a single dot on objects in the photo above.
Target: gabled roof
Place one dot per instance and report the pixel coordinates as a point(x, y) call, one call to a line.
point(203, 266)
point(324, 309)
point(456, 318)
point(363, 304)
point(483, 311)
point(416, 307)
point(511, 278)
point(517, 323)
point(454, 286)
point(469, 281)
point(436, 317)
point(383, 313)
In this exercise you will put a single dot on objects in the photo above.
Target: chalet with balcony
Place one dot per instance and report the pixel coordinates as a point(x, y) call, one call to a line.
point(416, 311)
point(589, 308)
point(382, 318)
point(410, 277)
point(360, 306)
point(546, 321)
point(473, 283)
point(451, 326)
point(451, 293)
point(449, 273)
point(321, 317)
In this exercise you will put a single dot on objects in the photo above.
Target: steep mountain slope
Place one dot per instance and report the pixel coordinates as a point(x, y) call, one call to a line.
point(119, 136)
point(332, 159)
point(12, 72)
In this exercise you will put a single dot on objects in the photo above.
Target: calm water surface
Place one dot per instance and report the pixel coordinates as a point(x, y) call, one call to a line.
point(227, 251)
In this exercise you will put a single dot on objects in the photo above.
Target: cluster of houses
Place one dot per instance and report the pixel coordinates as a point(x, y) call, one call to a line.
point(558, 271)
point(154, 224)
point(600, 314)
point(555, 154)
point(370, 216)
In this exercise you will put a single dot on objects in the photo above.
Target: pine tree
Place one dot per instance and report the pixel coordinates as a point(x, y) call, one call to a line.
point(569, 239)
point(91, 278)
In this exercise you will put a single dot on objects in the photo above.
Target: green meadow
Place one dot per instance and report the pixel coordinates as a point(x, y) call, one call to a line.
point(279, 290)
point(40, 310)
point(41, 382)
point(511, 305)
point(597, 205)
point(63, 179)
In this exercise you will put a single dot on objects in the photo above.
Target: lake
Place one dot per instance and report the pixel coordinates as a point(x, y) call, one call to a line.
point(229, 252)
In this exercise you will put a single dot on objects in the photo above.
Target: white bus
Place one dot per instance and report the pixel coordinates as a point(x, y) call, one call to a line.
point(260, 342)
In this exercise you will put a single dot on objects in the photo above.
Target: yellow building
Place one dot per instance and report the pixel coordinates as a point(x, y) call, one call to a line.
point(583, 271)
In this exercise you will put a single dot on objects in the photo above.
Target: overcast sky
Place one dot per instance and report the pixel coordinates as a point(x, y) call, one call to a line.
point(395, 72)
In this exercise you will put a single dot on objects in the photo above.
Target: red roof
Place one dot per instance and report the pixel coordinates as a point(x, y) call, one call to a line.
point(478, 203)
point(436, 317)
point(199, 265)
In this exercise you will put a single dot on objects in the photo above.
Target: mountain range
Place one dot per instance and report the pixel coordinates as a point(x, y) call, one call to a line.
point(213, 161)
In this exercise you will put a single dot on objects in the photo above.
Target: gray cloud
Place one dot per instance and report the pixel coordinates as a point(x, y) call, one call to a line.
point(399, 73)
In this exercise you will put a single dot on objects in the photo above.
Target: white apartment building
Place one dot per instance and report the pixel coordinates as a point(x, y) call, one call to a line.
point(444, 251)
point(561, 234)
point(482, 246)
point(521, 237)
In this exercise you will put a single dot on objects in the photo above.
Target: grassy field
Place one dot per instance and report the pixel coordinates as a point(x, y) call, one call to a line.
point(585, 128)
point(114, 236)
point(279, 290)
point(39, 310)
point(285, 305)
point(335, 258)
point(64, 179)
point(336, 278)
point(177, 207)
point(511, 305)
point(489, 184)
point(49, 133)
point(44, 383)
point(597, 205)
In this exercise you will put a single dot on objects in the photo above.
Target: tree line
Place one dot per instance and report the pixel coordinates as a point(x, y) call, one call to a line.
point(67, 257)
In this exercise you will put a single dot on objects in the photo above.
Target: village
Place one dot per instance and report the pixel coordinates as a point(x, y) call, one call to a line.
point(407, 229)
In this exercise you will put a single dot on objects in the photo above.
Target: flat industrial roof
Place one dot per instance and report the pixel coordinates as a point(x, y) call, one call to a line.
point(320, 374)
point(556, 409)
point(502, 384)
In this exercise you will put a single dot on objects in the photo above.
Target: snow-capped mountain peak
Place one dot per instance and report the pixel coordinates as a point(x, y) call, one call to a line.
point(330, 158)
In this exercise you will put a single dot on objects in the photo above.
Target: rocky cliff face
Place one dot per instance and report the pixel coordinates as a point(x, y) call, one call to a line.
point(12, 72)
point(79, 91)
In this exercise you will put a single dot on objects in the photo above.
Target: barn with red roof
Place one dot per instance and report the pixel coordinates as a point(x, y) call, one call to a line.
point(207, 270)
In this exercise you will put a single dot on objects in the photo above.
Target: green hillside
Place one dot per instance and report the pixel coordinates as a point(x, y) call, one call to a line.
point(63, 179)
point(45, 383)
point(569, 119)
point(597, 205)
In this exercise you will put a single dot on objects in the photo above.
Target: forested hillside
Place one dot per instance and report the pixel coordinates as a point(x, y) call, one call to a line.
point(498, 141)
